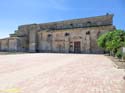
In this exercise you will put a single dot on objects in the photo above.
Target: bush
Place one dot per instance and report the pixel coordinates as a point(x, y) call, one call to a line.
point(119, 54)
point(123, 56)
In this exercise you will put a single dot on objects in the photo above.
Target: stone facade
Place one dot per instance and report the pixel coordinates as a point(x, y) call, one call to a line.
point(71, 36)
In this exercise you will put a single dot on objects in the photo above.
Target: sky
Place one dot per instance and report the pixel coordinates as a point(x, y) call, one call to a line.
point(19, 12)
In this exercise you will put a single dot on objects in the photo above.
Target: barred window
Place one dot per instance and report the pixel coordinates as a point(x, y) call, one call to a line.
point(88, 33)
point(67, 34)
point(49, 37)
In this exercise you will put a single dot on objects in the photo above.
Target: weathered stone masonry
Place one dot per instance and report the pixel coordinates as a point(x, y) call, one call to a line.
point(75, 36)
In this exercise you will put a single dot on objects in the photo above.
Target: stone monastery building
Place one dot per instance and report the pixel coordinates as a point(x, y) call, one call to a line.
point(70, 36)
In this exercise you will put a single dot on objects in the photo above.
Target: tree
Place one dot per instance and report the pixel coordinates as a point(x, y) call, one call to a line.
point(112, 41)
point(102, 41)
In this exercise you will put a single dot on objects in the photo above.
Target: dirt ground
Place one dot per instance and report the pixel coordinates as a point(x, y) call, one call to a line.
point(119, 64)
point(59, 73)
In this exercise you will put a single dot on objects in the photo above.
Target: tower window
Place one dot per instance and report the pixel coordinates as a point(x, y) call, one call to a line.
point(49, 35)
point(49, 38)
point(88, 33)
point(88, 23)
point(67, 34)
point(71, 24)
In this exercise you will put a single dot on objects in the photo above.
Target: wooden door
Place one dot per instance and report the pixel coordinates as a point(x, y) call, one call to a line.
point(77, 47)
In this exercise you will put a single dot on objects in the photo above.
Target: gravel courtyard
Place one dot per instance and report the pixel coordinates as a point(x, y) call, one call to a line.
point(59, 73)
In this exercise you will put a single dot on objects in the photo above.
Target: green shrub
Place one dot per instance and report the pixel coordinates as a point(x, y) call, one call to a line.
point(119, 54)
point(123, 56)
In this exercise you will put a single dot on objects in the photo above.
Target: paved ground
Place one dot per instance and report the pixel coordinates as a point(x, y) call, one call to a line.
point(59, 73)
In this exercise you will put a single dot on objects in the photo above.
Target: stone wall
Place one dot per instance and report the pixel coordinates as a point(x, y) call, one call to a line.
point(5, 44)
point(79, 23)
point(63, 40)
point(0, 45)
point(14, 44)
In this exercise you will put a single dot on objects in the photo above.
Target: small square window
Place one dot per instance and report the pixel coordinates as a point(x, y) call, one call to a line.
point(88, 33)
point(67, 34)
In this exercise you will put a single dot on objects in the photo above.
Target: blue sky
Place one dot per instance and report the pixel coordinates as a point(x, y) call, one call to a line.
point(18, 12)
